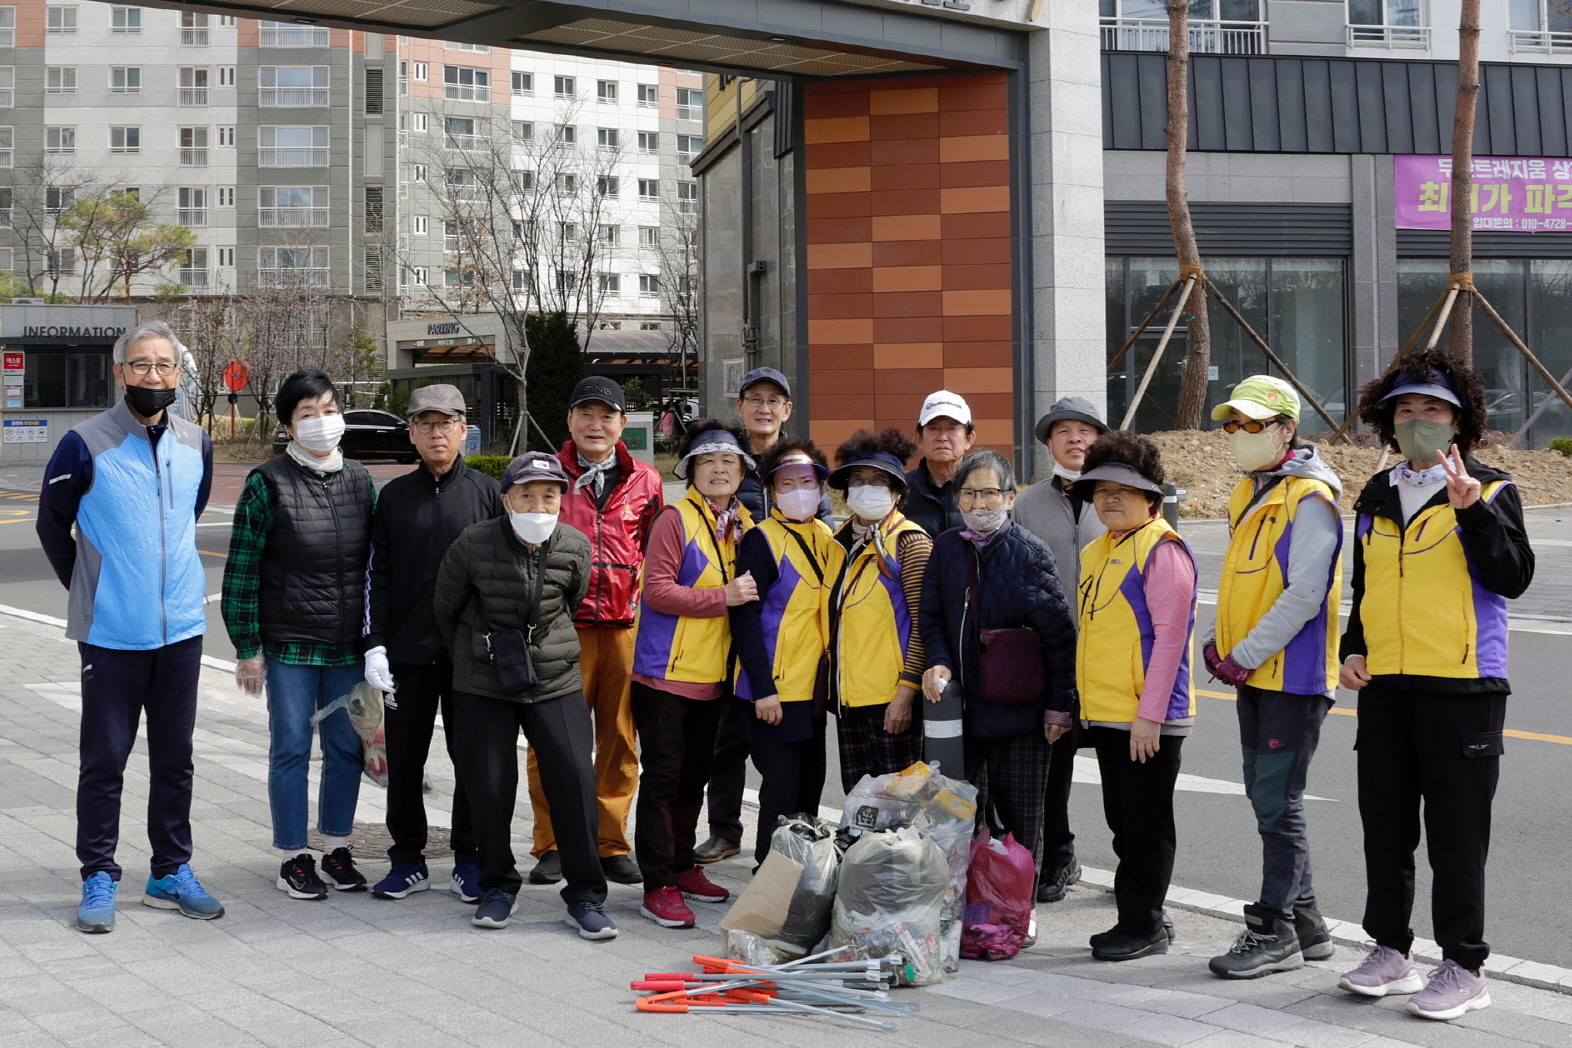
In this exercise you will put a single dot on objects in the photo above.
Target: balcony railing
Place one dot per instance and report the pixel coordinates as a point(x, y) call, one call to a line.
point(292, 96)
point(1538, 41)
point(193, 96)
point(467, 92)
point(1414, 36)
point(294, 277)
point(1212, 38)
point(193, 38)
point(193, 158)
point(293, 36)
point(194, 277)
point(192, 216)
point(292, 156)
point(7, 97)
point(292, 217)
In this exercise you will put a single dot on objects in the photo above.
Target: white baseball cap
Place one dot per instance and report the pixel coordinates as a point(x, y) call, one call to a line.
point(945, 403)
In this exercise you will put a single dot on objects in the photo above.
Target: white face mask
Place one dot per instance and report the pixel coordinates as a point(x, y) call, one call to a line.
point(799, 503)
point(985, 521)
point(1256, 451)
point(533, 528)
point(869, 501)
point(1070, 475)
point(321, 433)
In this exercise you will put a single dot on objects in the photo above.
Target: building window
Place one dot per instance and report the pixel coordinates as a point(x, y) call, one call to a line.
point(690, 103)
point(524, 182)
point(7, 87)
point(649, 95)
point(125, 80)
point(193, 29)
point(6, 201)
point(420, 71)
point(523, 84)
point(226, 134)
point(460, 132)
point(420, 225)
point(60, 140)
point(226, 196)
point(417, 172)
point(649, 237)
point(567, 282)
point(524, 130)
point(649, 285)
point(292, 147)
point(1386, 23)
point(295, 265)
point(608, 186)
point(419, 276)
point(67, 378)
point(649, 141)
point(193, 86)
point(61, 20)
point(226, 258)
point(689, 145)
point(463, 84)
point(7, 27)
point(193, 146)
point(649, 189)
point(125, 140)
point(1230, 27)
point(7, 146)
point(567, 134)
point(420, 122)
point(292, 207)
point(58, 198)
point(193, 268)
point(564, 87)
point(191, 202)
point(226, 76)
point(610, 236)
point(125, 19)
point(607, 137)
point(521, 282)
point(1542, 26)
point(687, 197)
point(606, 91)
point(60, 80)
point(608, 283)
point(649, 325)
point(282, 34)
point(293, 86)
point(567, 184)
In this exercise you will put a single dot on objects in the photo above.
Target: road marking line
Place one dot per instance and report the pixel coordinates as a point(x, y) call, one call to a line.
point(1511, 733)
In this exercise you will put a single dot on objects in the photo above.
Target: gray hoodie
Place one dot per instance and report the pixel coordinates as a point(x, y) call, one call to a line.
point(1317, 540)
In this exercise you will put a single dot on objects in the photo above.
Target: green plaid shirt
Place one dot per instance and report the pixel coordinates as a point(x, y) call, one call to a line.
point(243, 586)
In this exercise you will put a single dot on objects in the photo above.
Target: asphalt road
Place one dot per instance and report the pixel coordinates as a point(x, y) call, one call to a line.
point(1218, 848)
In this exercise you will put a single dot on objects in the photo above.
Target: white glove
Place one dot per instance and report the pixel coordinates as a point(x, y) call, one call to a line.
point(378, 675)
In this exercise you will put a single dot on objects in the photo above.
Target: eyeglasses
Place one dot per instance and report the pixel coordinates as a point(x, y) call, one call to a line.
point(773, 403)
point(141, 367)
point(445, 425)
point(1232, 426)
point(985, 495)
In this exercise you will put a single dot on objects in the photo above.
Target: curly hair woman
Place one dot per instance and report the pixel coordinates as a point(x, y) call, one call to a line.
point(1136, 605)
point(1439, 548)
point(876, 651)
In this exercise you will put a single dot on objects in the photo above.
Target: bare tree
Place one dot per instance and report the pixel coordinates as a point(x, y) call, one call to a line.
point(116, 240)
point(284, 325)
point(678, 272)
point(1198, 330)
point(210, 327)
point(42, 190)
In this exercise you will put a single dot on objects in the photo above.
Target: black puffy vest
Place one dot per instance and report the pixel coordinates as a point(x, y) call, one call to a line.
point(314, 564)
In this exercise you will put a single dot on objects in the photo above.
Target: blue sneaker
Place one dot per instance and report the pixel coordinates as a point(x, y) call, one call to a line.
point(404, 879)
point(590, 919)
point(466, 882)
point(181, 891)
point(495, 909)
point(97, 912)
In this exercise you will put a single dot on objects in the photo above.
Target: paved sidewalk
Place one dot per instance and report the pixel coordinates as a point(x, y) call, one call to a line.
point(354, 970)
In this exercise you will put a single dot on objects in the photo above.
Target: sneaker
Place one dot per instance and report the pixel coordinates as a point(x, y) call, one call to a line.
point(1384, 971)
point(1268, 944)
point(694, 885)
point(665, 907)
point(591, 921)
point(466, 882)
point(97, 912)
point(715, 849)
point(495, 909)
point(298, 877)
point(1315, 942)
point(1101, 937)
point(621, 868)
point(181, 891)
point(1451, 992)
point(548, 870)
point(402, 881)
point(338, 870)
point(1056, 885)
point(1122, 946)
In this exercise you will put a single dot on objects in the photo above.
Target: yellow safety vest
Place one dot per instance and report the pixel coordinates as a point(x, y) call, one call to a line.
point(872, 624)
point(796, 610)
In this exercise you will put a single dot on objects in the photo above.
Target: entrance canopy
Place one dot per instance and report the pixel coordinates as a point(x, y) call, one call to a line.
point(773, 39)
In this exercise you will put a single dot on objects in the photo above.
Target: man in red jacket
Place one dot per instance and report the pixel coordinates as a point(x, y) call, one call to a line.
point(612, 498)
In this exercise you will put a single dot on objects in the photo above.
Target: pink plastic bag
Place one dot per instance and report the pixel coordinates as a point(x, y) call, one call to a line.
point(1000, 883)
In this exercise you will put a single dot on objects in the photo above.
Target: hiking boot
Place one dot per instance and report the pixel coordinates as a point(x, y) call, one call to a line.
point(1122, 946)
point(495, 909)
point(402, 881)
point(1268, 944)
point(298, 877)
point(182, 891)
point(694, 885)
point(1056, 885)
point(96, 914)
point(466, 882)
point(338, 870)
point(621, 868)
point(548, 870)
point(1384, 971)
point(591, 921)
point(665, 907)
point(715, 849)
point(1452, 991)
point(1315, 942)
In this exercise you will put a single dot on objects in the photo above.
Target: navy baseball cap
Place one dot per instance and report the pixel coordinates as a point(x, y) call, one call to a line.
point(758, 375)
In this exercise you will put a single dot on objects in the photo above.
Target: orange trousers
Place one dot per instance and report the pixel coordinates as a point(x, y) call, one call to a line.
point(606, 663)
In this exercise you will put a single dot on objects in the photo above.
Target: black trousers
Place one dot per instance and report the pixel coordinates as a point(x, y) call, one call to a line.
point(1278, 736)
point(1011, 776)
point(791, 781)
point(1441, 753)
point(677, 748)
point(559, 732)
point(1058, 838)
point(118, 687)
point(729, 771)
point(1138, 802)
point(409, 720)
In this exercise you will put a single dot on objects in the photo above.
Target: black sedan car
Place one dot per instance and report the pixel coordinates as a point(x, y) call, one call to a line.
point(368, 434)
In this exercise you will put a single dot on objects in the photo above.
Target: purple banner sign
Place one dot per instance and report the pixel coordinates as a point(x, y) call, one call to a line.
point(1514, 194)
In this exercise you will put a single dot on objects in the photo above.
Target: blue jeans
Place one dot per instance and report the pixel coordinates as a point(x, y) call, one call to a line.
point(294, 693)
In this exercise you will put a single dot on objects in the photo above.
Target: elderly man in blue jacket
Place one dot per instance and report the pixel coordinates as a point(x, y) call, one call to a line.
point(133, 481)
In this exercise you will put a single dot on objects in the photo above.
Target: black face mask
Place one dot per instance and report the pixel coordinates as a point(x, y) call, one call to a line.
point(148, 402)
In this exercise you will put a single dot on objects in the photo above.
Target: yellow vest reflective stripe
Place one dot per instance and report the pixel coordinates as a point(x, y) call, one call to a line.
point(681, 647)
point(1422, 611)
point(795, 611)
point(872, 622)
point(1254, 575)
point(1114, 643)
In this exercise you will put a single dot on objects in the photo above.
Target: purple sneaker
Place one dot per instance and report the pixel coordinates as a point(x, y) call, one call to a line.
point(1451, 992)
point(1384, 971)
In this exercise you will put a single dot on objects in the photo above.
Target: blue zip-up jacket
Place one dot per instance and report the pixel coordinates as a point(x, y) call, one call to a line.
point(134, 493)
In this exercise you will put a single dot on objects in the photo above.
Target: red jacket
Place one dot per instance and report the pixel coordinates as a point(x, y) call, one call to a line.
point(617, 534)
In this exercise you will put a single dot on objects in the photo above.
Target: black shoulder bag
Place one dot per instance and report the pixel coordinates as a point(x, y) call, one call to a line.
point(509, 650)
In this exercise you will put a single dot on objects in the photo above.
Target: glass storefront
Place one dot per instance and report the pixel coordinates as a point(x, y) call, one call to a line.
point(66, 378)
point(1297, 304)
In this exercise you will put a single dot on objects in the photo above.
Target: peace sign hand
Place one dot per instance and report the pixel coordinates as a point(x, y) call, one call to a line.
point(1462, 490)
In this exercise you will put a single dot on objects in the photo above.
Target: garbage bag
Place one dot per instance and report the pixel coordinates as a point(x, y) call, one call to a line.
point(1000, 885)
point(785, 909)
point(889, 901)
